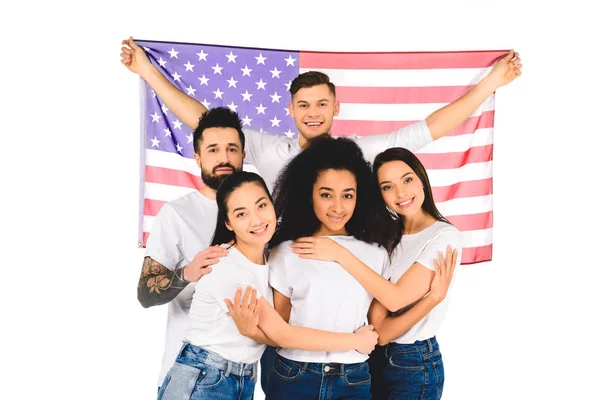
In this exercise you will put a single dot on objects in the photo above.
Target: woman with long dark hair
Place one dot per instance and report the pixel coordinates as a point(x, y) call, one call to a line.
point(327, 191)
point(413, 367)
point(216, 361)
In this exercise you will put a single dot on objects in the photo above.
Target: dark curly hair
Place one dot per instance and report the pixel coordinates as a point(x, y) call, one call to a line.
point(294, 187)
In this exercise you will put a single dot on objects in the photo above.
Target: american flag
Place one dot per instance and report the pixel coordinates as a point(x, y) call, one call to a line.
point(378, 93)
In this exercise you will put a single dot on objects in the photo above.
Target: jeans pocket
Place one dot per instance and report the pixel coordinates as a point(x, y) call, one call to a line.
point(407, 361)
point(286, 369)
point(210, 377)
point(358, 376)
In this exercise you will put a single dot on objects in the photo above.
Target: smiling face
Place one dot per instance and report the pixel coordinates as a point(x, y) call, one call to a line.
point(220, 155)
point(401, 188)
point(313, 109)
point(251, 215)
point(334, 201)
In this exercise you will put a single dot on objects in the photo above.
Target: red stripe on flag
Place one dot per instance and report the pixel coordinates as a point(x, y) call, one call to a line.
point(173, 177)
point(472, 255)
point(400, 95)
point(152, 207)
point(417, 60)
point(480, 187)
point(458, 159)
point(145, 239)
point(472, 222)
point(366, 128)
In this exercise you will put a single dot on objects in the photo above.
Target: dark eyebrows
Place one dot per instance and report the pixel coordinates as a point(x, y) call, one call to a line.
point(402, 177)
point(228, 144)
point(243, 208)
point(331, 190)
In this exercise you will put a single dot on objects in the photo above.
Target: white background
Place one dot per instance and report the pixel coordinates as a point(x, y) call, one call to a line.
point(519, 327)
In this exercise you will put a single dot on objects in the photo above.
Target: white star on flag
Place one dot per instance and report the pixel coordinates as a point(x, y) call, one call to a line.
point(275, 121)
point(232, 82)
point(173, 53)
point(155, 117)
point(275, 97)
point(290, 61)
point(177, 124)
point(218, 94)
point(203, 80)
point(189, 66)
point(260, 84)
point(275, 73)
point(191, 91)
point(155, 142)
point(231, 57)
point(260, 109)
point(202, 55)
point(246, 71)
point(217, 69)
point(260, 59)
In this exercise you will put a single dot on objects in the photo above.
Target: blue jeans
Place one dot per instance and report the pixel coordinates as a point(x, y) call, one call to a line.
point(299, 380)
point(266, 366)
point(413, 371)
point(201, 374)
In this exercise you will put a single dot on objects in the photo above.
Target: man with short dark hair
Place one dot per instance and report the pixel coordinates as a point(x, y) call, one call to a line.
point(177, 250)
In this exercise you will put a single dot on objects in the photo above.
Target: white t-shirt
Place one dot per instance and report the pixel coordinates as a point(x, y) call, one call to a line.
point(323, 295)
point(269, 153)
point(210, 324)
point(424, 247)
point(181, 229)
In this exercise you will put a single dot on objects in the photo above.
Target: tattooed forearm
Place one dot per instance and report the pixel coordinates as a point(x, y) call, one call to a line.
point(158, 284)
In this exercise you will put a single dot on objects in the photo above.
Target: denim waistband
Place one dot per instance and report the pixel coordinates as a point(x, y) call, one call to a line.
point(326, 368)
point(422, 346)
point(198, 354)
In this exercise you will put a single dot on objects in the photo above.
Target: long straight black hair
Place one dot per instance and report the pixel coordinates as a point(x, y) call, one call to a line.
point(402, 154)
point(230, 184)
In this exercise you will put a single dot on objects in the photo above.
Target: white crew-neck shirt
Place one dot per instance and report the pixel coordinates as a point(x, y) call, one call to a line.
point(423, 247)
point(210, 324)
point(323, 295)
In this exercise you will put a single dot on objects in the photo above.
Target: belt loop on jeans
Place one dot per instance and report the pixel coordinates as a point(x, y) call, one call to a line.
point(182, 349)
point(304, 367)
point(254, 371)
point(430, 345)
point(342, 370)
point(229, 368)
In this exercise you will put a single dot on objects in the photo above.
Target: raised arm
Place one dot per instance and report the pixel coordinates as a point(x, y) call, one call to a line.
point(449, 117)
point(159, 285)
point(413, 285)
point(186, 108)
point(392, 327)
point(256, 319)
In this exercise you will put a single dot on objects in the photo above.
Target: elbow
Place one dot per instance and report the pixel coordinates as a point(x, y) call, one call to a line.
point(144, 300)
point(382, 340)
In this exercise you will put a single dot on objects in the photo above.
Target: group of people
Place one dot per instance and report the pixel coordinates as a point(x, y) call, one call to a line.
point(334, 249)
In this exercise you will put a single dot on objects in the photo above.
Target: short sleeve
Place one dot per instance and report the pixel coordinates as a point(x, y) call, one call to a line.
point(259, 144)
point(412, 137)
point(278, 274)
point(164, 241)
point(437, 244)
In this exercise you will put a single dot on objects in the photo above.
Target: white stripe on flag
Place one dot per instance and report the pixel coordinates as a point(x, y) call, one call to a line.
point(465, 206)
point(468, 172)
point(460, 143)
point(482, 237)
point(159, 191)
point(399, 112)
point(404, 77)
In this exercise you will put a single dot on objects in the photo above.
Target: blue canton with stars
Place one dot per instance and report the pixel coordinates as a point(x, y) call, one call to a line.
point(253, 82)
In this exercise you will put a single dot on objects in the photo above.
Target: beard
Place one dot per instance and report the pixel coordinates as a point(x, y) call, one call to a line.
point(212, 180)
